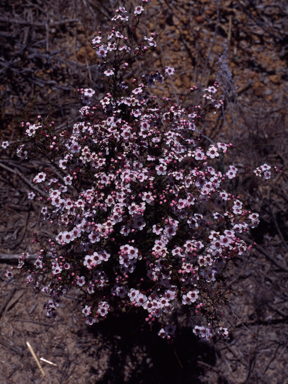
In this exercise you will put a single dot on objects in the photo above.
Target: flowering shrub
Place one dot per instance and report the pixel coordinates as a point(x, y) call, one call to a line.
point(142, 212)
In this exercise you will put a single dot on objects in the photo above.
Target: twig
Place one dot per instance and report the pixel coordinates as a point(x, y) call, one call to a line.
point(33, 308)
point(177, 358)
point(48, 362)
point(35, 358)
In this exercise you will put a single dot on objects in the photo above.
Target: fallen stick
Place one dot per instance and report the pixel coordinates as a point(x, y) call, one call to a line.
point(35, 358)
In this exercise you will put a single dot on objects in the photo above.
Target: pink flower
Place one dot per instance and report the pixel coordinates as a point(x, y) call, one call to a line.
point(86, 310)
point(109, 72)
point(31, 195)
point(170, 71)
point(96, 40)
point(40, 177)
point(9, 275)
point(80, 281)
point(102, 52)
point(138, 10)
point(231, 172)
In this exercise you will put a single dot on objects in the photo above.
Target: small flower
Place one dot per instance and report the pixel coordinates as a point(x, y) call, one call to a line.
point(223, 332)
point(162, 333)
point(109, 72)
point(267, 175)
point(265, 167)
point(212, 152)
point(86, 310)
point(9, 275)
point(102, 52)
point(63, 164)
point(90, 320)
point(170, 329)
point(40, 177)
point(137, 90)
point(5, 144)
point(138, 10)
point(231, 172)
point(161, 169)
point(170, 71)
point(119, 35)
point(31, 195)
point(80, 281)
point(31, 130)
point(68, 180)
point(38, 263)
point(96, 40)
point(211, 89)
point(103, 307)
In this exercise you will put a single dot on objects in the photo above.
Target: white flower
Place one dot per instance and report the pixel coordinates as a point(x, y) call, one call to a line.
point(80, 281)
point(5, 144)
point(86, 310)
point(68, 180)
point(109, 72)
point(40, 177)
point(90, 320)
point(96, 40)
point(31, 195)
point(231, 172)
point(169, 70)
point(9, 275)
point(102, 52)
point(161, 169)
point(38, 263)
point(138, 10)
point(89, 92)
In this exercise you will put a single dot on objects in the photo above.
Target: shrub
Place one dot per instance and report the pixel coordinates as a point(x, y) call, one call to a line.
point(141, 211)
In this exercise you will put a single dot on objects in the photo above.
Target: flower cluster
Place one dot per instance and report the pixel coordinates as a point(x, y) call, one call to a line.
point(141, 212)
point(263, 170)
